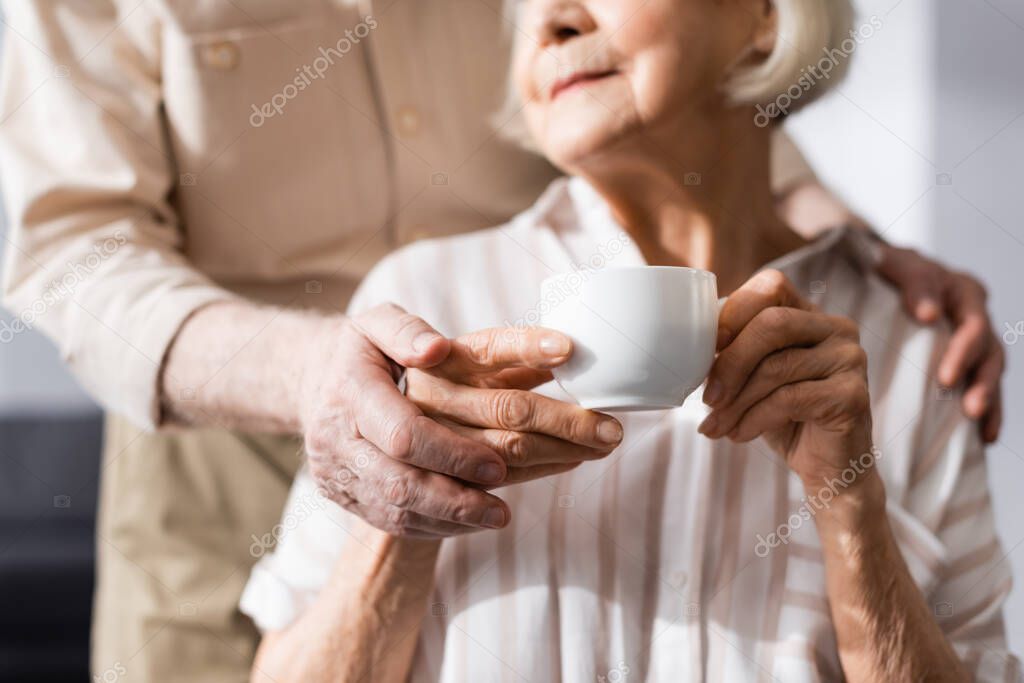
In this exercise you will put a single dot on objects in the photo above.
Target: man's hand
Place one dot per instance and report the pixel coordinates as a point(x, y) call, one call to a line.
point(974, 353)
point(930, 291)
point(416, 466)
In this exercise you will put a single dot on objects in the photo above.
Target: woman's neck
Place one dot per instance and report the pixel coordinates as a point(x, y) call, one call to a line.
point(701, 200)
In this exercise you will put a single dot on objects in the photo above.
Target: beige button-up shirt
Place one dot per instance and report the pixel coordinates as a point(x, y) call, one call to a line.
point(677, 558)
point(160, 155)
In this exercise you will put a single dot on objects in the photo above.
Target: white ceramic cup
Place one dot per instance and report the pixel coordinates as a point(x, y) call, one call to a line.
point(643, 337)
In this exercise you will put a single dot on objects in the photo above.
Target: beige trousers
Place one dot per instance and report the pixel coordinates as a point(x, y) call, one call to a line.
point(178, 513)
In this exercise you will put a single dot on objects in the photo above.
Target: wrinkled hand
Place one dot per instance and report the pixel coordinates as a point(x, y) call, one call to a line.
point(793, 374)
point(975, 353)
point(481, 391)
point(374, 452)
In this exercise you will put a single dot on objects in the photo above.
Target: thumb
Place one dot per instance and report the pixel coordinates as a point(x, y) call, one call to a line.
point(403, 337)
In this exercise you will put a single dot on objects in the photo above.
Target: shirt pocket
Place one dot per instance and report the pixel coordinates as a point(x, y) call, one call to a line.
point(281, 157)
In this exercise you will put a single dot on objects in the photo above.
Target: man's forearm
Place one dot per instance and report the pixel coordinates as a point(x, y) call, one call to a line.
point(365, 623)
point(240, 366)
point(884, 629)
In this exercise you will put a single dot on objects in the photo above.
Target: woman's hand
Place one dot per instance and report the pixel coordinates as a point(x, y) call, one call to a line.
point(929, 290)
point(482, 392)
point(793, 374)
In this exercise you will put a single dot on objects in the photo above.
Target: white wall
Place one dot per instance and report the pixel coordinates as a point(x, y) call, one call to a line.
point(939, 90)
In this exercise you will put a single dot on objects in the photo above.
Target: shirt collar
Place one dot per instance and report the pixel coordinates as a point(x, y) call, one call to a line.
point(594, 233)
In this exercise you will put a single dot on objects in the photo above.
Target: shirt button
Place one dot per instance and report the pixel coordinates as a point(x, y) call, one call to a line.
point(408, 121)
point(224, 55)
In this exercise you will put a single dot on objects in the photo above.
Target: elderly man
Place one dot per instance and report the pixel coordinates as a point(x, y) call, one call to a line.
point(242, 167)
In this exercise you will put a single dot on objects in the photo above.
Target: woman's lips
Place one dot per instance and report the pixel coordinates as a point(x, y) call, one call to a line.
point(577, 79)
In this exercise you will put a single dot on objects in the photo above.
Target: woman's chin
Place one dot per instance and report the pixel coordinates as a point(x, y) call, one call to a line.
point(575, 148)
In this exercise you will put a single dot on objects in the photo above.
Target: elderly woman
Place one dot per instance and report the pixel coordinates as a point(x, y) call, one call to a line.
point(824, 516)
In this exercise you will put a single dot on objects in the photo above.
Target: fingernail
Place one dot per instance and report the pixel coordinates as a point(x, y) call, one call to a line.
point(707, 427)
point(927, 310)
point(713, 391)
point(494, 518)
point(555, 345)
point(423, 341)
point(489, 473)
point(609, 431)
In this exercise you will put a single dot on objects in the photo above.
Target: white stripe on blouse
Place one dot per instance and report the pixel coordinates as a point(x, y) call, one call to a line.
point(647, 566)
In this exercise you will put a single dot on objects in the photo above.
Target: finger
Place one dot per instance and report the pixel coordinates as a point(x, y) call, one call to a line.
point(525, 449)
point(389, 484)
point(993, 421)
point(921, 297)
point(966, 347)
point(491, 350)
point(518, 378)
point(523, 411)
point(398, 428)
point(788, 366)
point(920, 281)
point(771, 330)
point(766, 289)
point(828, 402)
point(518, 475)
point(416, 525)
point(403, 337)
point(984, 388)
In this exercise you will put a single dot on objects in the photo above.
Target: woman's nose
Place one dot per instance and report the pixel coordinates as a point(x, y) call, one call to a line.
point(562, 20)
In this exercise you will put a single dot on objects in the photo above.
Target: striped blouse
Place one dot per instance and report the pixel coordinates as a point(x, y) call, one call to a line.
point(676, 558)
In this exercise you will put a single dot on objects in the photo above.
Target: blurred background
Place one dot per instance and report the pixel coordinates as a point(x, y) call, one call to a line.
point(925, 139)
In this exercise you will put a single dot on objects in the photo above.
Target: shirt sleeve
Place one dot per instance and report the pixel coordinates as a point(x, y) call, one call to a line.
point(952, 540)
point(789, 167)
point(297, 557)
point(94, 253)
